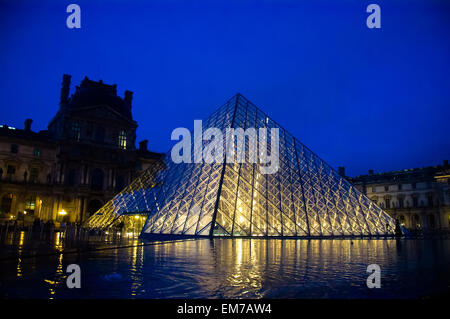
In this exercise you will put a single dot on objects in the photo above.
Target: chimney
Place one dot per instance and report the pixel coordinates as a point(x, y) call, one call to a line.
point(127, 98)
point(143, 145)
point(27, 124)
point(370, 171)
point(65, 88)
point(341, 170)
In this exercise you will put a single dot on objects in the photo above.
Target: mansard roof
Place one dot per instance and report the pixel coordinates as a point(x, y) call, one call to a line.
point(90, 93)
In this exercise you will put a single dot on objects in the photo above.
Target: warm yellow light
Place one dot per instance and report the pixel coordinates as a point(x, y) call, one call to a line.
point(24, 212)
point(136, 216)
point(62, 212)
point(11, 217)
point(241, 219)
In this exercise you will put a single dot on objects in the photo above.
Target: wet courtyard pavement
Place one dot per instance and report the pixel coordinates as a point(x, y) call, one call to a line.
point(224, 268)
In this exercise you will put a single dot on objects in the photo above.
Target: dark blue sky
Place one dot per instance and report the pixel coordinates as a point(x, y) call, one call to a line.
point(364, 98)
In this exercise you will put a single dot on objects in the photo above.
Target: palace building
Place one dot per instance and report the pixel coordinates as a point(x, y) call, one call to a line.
point(86, 156)
point(419, 198)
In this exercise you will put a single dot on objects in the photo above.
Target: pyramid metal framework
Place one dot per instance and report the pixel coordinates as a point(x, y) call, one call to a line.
point(305, 198)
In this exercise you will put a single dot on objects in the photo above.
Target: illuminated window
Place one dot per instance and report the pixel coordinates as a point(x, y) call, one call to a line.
point(37, 152)
point(123, 139)
point(30, 205)
point(76, 130)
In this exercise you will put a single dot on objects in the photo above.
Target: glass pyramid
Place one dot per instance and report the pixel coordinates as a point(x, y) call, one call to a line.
point(304, 198)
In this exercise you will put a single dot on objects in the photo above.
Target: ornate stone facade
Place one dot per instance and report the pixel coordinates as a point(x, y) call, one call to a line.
point(85, 157)
point(419, 198)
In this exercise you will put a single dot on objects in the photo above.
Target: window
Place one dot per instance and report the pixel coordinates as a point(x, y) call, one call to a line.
point(5, 206)
point(34, 175)
point(14, 148)
point(413, 185)
point(416, 220)
point(123, 139)
point(97, 179)
point(100, 134)
point(387, 202)
point(11, 170)
point(374, 189)
point(415, 202)
point(76, 130)
point(386, 188)
point(120, 183)
point(37, 152)
point(30, 205)
point(400, 202)
point(399, 187)
point(71, 177)
point(430, 200)
point(431, 221)
point(90, 129)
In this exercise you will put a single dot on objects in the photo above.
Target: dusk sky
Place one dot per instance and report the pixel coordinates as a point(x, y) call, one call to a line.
point(360, 98)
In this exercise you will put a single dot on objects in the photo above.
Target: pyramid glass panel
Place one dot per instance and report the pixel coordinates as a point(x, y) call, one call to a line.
point(302, 197)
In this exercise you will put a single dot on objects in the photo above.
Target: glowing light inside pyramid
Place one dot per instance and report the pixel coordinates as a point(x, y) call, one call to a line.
point(306, 197)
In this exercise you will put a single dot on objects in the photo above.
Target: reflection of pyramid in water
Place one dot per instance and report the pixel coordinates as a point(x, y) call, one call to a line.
point(306, 197)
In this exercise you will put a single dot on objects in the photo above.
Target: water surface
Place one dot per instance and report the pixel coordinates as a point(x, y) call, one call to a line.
point(237, 268)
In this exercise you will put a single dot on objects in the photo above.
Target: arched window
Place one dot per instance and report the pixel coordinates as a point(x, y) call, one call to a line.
point(97, 179)
point(5, 206)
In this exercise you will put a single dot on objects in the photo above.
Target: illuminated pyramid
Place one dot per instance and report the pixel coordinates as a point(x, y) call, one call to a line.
point(305, 197)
